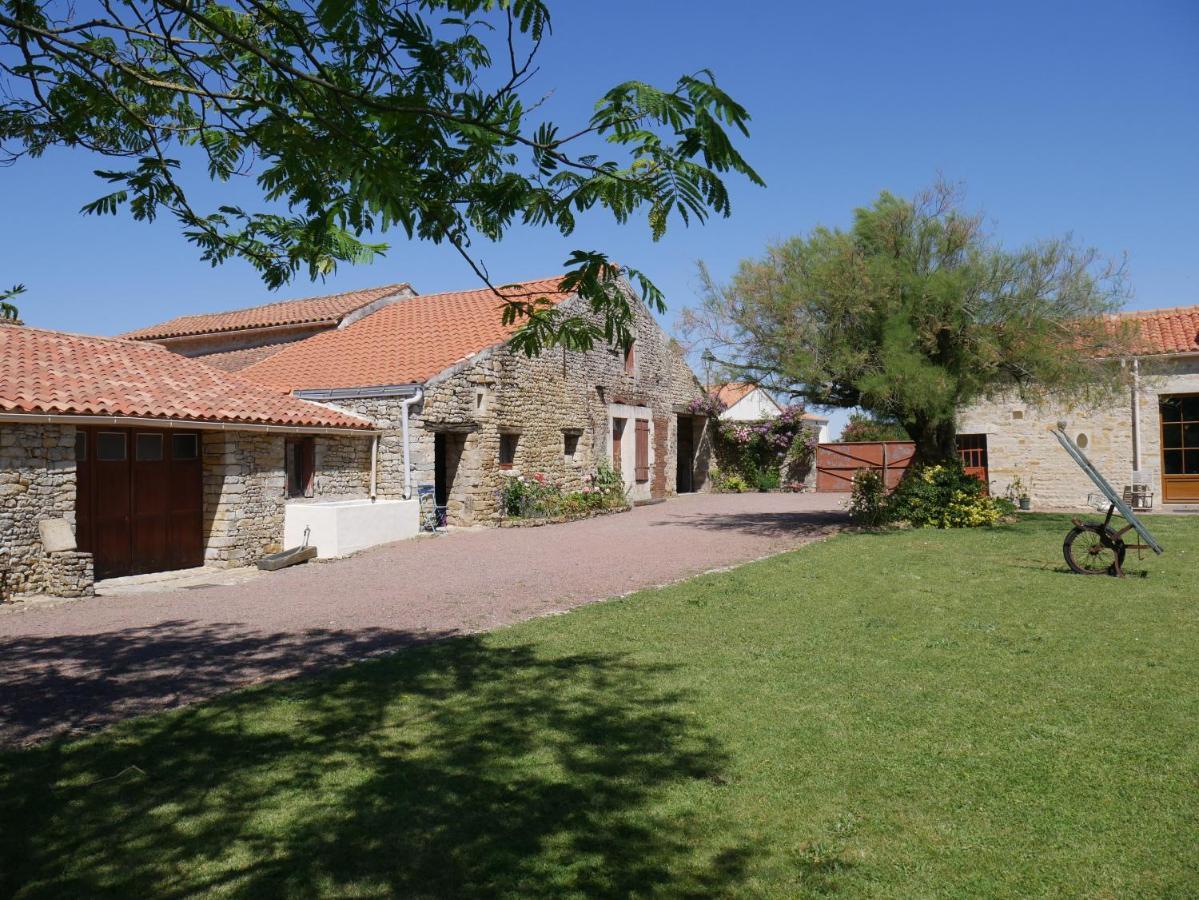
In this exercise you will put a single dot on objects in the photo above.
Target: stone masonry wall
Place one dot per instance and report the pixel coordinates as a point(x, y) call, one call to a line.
point(37, 481)
point(539, 399)
point(245, 489)
point(1019, 441)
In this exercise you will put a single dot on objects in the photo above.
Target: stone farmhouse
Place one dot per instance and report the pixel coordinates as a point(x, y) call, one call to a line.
point(118, 457)
point(477, 413)
point(217, 439)
point(1149, 437)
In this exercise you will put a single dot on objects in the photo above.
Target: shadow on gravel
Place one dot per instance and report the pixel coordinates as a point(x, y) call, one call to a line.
point(68, 683)
point(762, 524)
point(456, 770)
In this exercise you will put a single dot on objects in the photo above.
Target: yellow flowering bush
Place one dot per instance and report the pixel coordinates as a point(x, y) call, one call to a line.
point(943, 496)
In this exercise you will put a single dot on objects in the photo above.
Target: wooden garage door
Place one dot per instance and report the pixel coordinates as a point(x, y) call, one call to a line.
point(836, 464)
point(140, 499)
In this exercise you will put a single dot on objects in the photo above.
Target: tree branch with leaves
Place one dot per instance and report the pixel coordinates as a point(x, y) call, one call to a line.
point(354, 118)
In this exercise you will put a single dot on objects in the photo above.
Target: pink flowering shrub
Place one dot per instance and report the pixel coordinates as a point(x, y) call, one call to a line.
point(769, 452)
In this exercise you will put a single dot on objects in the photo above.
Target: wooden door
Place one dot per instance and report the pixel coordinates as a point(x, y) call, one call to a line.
point(139, 500)
point(1180, 447)
point(972, 450)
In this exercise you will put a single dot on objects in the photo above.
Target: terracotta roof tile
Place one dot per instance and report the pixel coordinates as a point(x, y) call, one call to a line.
point(236, 360)
point(402, 343)
point(52, 372)
point(1174, 330)
point(330, 308)
point(731, 392)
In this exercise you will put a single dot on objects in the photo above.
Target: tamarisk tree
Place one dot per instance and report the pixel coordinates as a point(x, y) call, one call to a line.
point(354, 117)
point(914, 312)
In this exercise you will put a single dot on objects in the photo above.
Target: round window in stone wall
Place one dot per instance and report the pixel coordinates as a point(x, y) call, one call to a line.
point(1081, 440)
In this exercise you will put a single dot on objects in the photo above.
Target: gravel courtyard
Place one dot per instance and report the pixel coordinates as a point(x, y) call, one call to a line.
point(79, 665)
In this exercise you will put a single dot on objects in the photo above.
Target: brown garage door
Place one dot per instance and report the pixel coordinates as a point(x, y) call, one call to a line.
point(140, 499)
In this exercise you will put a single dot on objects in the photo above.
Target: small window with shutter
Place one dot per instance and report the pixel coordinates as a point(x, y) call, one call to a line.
point(642, 456)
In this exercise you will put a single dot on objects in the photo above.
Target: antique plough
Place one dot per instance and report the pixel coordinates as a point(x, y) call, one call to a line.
point(1097, 548)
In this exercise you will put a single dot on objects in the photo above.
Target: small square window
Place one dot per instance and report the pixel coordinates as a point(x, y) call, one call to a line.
point(185, 446)
point(570, 444)
point(508, 450)
point(148, 448)
point(1017, 414)
point(80, 446)
point(111, 446)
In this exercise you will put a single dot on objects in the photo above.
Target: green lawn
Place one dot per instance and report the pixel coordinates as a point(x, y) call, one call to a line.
point(900, 715)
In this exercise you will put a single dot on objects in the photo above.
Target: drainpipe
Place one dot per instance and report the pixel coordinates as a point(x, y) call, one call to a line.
point(405, 404)
point(1136, 414)
point(374, 465)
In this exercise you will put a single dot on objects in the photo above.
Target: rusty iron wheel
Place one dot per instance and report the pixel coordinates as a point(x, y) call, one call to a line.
point(1093, 550)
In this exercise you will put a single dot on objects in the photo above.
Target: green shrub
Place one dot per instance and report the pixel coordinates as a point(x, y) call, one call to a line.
point(942, 496)
point(728, 482)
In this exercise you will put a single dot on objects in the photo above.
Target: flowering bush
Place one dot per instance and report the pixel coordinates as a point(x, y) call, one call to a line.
point(728, 482)
point(943, 496)
point(769, 451)
point(707, 405)
point(540, 497)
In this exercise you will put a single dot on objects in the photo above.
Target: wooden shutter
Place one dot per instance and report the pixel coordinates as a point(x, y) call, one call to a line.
point(642, 464)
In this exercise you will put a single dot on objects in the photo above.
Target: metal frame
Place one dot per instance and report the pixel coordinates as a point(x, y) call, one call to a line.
point(1117, 504)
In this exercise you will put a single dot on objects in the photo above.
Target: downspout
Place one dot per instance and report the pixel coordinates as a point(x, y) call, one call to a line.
point(404, 405)
point(374, 465)
point(1136, 414)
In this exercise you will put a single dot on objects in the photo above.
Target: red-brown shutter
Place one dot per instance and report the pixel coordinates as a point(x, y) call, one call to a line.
point(642, 464)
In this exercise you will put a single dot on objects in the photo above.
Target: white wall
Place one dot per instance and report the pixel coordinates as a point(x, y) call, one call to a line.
point(753, 407)
point(634, 490)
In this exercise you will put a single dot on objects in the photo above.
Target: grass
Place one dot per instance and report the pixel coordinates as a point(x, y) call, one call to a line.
point(900, 715)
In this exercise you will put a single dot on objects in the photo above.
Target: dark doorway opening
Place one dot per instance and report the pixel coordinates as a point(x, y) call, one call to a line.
point(685, 477)
point(447, 454)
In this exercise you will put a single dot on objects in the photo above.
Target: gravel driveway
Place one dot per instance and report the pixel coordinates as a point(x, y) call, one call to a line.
point(79, 665)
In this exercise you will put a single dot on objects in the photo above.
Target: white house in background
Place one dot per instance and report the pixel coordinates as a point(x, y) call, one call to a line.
point(745, 402)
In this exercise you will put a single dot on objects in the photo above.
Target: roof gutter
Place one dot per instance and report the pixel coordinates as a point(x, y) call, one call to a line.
point(183, 424)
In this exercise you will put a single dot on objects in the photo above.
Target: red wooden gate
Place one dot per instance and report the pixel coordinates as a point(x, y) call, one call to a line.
point(836, 464)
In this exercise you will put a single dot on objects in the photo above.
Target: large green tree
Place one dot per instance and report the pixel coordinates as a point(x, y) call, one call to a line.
point(914, 312)
point(354, 117)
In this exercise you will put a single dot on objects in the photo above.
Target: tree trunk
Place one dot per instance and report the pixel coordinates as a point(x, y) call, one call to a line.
point(936, 441)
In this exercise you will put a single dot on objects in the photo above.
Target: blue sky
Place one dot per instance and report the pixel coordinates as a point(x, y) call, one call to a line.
point(1057, 116)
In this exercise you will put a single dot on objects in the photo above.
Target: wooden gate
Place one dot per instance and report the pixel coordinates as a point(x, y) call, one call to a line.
point(836, 464)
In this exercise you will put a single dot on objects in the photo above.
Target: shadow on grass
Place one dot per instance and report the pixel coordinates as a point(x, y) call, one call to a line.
point(455, 769)
point(72, 683)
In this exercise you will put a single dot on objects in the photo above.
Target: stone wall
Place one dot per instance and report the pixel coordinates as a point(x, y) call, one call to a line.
point(540, 400)
point(37, 481)
point(245, 489)
point(1019, 442)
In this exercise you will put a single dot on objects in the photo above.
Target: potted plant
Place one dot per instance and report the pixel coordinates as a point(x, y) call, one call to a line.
point(1019, 494)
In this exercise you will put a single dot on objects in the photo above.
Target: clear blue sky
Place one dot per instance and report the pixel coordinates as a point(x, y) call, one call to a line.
point(1058, 116)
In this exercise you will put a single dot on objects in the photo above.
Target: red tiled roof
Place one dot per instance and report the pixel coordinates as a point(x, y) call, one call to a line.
point(236, 360)
point(1174, 330)
point(399, 344)
point(55, 373)
point(331, 308)
point(732, 392)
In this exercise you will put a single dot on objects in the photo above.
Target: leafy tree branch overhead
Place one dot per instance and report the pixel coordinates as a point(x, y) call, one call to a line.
point(356, 117)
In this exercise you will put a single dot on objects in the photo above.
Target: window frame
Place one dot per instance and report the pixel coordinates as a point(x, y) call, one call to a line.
point(509, 444)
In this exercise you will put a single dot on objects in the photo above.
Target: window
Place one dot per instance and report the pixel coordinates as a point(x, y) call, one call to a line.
point(1180, 435)
point(508, 450)
point(301, 466)
point(1017, 414)
point(1082, 441)
point(185, 446)
point(641, 465)
point(111, 446)
point(617, 442)
point(80, 446)
point(147, 447)
point(570, 444)
point(630, 358)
